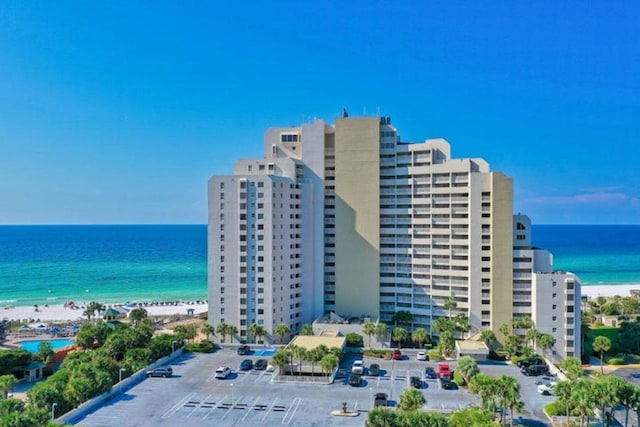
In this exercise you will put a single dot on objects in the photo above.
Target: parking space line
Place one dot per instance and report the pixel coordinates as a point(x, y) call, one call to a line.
point(233, 404)
point(178, 405)
point(253, 405)
point(270, 409)
point(296, 403)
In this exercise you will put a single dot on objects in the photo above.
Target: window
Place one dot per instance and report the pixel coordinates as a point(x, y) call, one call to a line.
point(554, 295)
point(553, 318)
point(221, 185)
point(222, 290)
point(260, 184)
point(260, 300)
point(553, 307)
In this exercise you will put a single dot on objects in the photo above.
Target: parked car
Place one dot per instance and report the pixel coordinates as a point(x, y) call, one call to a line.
point(355, 380)
point(430, 373)
point(244, 350)
point(535, 370)
point(530, 361)
point(223, 372)
point(550, 381)
point(246, 365)
point(396, 354)
point(444, 369)
point(448, 385)
point(415, 382)
point(374, 369)
point(260, 365)
point(422, 355)
point(160, 372)
point(545, 389)
point(380, 399)
point(358, 367)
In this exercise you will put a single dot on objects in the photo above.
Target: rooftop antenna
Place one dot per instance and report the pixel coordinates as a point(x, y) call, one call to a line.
point(345, 113)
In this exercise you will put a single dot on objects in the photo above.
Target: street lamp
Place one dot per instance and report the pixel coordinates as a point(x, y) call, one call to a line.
point(173, 346)
point(120, 374)
point(53, 411)
point(231, 393)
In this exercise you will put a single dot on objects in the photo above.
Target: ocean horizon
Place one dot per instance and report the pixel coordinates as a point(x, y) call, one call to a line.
point(53, 264)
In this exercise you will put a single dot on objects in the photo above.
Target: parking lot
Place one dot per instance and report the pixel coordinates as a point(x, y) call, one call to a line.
point(193, 396)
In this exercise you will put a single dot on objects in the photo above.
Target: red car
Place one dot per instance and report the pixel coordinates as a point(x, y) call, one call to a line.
point(444, 370)
point(396, 354)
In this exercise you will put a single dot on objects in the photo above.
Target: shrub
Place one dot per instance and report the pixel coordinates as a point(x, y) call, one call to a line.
point(354, 340)
point(204, 346)
point(377, 353)
point(555, 408)
point(434, 355)
point(616, 361)
point(458, 379)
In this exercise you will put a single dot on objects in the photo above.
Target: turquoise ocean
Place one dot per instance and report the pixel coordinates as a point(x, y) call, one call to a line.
point(120, 263)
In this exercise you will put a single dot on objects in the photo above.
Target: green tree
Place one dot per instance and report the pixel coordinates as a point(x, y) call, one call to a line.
point(485, 387)
point(410, 400)
point(382, 417)
point(354, 339)
point(449, 304)
point(572, 368)
point(86, 336)
point(400, 335)
point(281, 359)
point(563, 391)
point(300, 353)
point(442, 324)
point(532, 336)
point(7, 383)
point(369, 329)
point(45, 352)
point(314, 356)
point(137, 315)
point(185, 332)
point(447, 344)
point(634, 400)
point(282, 330)
point(488, 337)
point(382, 331)
point(546, 341)
point(601, 344)
point(472, 417)
point(461, 324)
point(328, 363)
point(402, 317)
point(420, 335)
point(208, 329)
point(508, 391)
point(423, 419)
point(468, 368)
point(306, 329)
point(257, 331)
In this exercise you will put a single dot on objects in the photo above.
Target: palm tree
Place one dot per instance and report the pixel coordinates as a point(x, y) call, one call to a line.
point(531, 336)
point(487, 336)
point(546, 341)
point(509, 394)
point(382, 417)
point(328, 363)
point(583, 398)
point(282, 330)
point(232, 330)
point(382, 330)
point(208, 329)
point(461, 323)
point(7, 383)
point(281, 359)
point(601, 344)
point(306, 329)
point(563, 390)
point(223, 329)
point(441, 324)
point(634, 401)
point(300, 353)
point(468, 368)
point(400, 335)
point(137, 314)
point(369, 328)
point(314, 356)
point(257, 331)
point(572, 368)
point(402, 317)
point(449, 304)
point(420, 335)
point(410, 400)
point(484, 386)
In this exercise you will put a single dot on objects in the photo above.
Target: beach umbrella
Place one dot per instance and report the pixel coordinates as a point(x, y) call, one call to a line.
point(55, 330)
point(74, 327)
point(25, 327)
point(41, 326)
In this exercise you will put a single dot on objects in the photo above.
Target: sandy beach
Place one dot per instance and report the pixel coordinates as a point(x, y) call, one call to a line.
point(593, 291)
point(62, 313)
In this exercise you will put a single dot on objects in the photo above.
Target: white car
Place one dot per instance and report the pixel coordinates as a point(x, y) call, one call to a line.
point(358, 367)
point(545, 389)
point(549, 381)
point(421, 356)
point(223, 372)
point(270, 368)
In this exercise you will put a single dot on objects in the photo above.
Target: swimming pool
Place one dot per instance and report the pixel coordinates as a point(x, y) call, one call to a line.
point(264, 352)
point(32, 346)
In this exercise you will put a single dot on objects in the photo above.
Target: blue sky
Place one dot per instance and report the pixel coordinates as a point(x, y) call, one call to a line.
point(119, 112)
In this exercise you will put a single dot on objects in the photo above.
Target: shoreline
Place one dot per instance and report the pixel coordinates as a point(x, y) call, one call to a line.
point(64, 313)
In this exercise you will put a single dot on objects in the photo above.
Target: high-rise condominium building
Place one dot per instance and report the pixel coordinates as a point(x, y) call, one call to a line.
point(350, 219)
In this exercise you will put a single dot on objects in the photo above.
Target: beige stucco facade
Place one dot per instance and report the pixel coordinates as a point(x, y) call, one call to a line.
point(357, 216)
point(501, 250)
